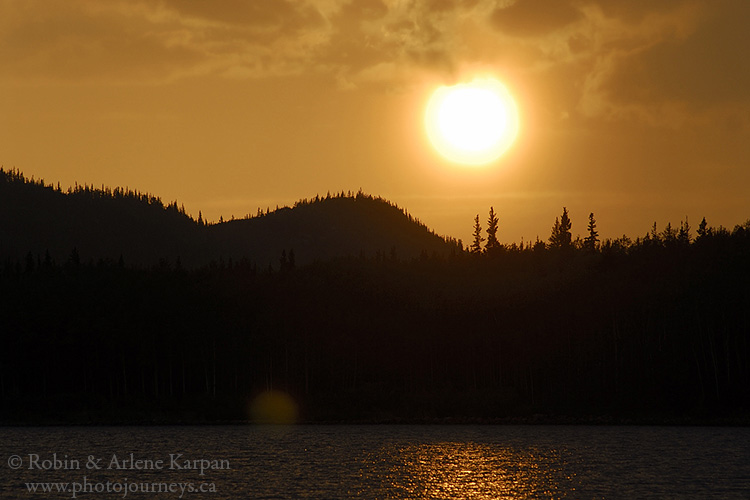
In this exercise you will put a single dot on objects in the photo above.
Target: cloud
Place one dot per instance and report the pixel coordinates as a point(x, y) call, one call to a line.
point(142, 41)
point(608, 59)
point(668, 66)
point(80, 41)
point(534, 17)
point(635, 11)
point(707, 66)
point(372, 39)
point(279, 15)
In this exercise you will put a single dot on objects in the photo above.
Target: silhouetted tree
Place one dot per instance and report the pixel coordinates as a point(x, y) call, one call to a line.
point(539, 245)
point(590, 242)
point(683, 235)
point(703, 229)
point(561, 237)
point(476, 245)
point(492, 223)
point(654, 234)
point(669, 235)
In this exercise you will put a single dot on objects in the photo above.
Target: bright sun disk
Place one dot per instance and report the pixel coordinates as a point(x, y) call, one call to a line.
point(472, 123)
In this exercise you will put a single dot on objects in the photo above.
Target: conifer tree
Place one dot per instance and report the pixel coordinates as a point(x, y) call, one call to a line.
point(492, 223)
point(703, 229)
point(476, 246)
point(669, 235)
point(561, 236)
point(593, 238)
point(683, 235)
point(655, 237)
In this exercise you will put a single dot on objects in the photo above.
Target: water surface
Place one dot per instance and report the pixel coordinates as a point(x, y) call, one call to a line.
point(378, 462)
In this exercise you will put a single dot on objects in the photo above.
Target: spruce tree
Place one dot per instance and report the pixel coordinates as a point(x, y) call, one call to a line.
point(593, 238)
point(492, 223)
point(476, 246)
point(561, 236)
point(683, 235)
point(669, 235)
point(703, 229)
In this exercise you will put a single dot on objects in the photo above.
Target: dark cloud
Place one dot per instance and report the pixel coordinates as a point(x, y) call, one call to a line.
point(352, 46)
point(448, 6)
point(372, 41)
point(144, 41)
point(534, 17)
point(614, 54)
point(357, 11)
point(708, 66)
point(72, 42)
point(441, 5)
point(284, 15)
point(634, 11)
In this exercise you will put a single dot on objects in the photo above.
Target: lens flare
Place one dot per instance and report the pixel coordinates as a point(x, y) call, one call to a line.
point(273, 407)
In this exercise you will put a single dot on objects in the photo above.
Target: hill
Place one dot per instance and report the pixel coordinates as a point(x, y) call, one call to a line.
point(326, 228)
point(104, 223)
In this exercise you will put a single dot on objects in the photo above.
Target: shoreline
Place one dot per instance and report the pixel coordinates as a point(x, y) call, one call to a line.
point(531, 421)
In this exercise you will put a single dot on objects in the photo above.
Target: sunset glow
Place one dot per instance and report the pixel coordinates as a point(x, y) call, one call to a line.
point(472, 123)
point(375, 248)
point(231, 107)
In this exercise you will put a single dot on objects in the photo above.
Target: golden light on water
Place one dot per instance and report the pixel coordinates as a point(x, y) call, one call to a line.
point(472, 123)
point(478, 471)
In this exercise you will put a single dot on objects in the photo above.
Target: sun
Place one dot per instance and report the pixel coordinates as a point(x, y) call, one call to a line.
point(472, 123)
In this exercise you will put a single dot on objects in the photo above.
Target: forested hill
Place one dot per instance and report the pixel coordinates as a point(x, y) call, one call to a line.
point(655, 329)
point(104, 223)
point(325, 228)
point(99, 223)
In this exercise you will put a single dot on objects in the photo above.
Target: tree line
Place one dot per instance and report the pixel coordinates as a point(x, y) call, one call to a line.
point(561, 237)
point(651, 329)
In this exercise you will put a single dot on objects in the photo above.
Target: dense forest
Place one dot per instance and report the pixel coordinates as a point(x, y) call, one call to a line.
point(651, 329)
point(110, 224)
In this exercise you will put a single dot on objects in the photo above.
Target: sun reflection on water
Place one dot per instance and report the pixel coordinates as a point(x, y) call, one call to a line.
point(476, 471)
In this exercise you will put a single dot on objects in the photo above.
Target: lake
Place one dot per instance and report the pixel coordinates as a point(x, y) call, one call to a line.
point(375, 462)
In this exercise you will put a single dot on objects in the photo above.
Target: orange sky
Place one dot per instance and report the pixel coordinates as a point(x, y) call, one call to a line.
point(636, 110)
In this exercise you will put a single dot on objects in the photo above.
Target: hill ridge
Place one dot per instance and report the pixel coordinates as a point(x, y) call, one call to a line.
point(107, 223)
